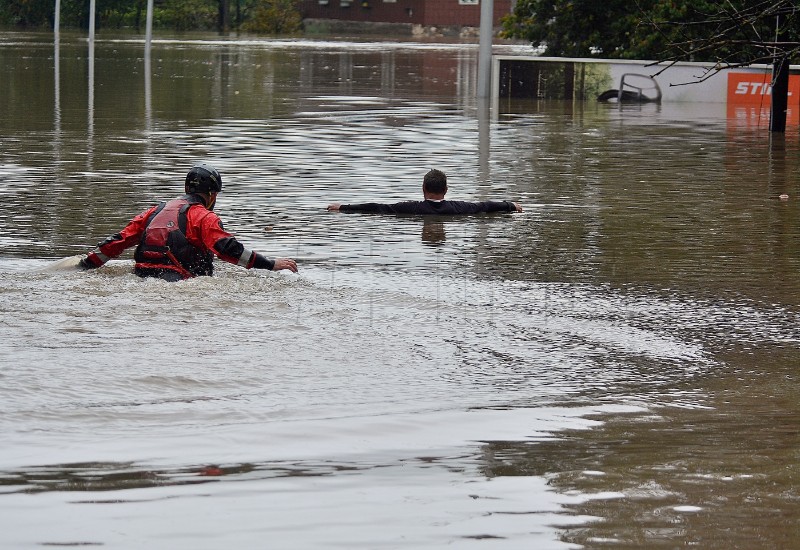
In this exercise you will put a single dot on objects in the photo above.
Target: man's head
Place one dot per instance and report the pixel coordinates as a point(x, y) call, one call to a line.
point(434, 183)
point(204, 179)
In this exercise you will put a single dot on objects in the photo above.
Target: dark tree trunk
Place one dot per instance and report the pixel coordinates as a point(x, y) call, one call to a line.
point(780, 81)
point(224, 23)
point(780, 95)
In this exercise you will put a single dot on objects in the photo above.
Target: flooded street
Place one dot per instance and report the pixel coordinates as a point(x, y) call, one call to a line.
point(614, 367)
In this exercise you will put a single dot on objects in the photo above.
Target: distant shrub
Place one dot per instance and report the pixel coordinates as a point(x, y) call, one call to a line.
point(26, 13)
point(274, 17)
point(256, 16)
point(186, 15)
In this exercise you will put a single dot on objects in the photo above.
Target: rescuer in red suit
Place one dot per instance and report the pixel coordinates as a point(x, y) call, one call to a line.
point(178, 239)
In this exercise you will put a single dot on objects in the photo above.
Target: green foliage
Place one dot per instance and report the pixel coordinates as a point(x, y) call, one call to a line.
point(274, 17)
point(576, 28)
point(261, 16)
point(727, 31)
point(186, 15)
point(26, 13)
point(74, 13)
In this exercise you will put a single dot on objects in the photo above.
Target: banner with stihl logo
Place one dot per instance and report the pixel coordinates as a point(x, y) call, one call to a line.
point(750, 99)
point(756, 89)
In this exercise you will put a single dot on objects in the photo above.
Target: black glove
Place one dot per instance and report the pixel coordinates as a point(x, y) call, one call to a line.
point(85, 264)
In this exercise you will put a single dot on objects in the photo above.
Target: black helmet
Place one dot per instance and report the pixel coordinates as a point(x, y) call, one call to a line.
point(203, 178)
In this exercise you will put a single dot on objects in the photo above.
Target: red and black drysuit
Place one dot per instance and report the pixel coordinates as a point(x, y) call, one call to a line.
point(176, 240)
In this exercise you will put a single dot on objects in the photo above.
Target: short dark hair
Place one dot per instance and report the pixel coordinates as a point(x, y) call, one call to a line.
point(435, 181)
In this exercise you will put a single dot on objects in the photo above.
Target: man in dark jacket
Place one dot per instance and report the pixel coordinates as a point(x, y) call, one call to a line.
point(434, 188)
point(178, 239)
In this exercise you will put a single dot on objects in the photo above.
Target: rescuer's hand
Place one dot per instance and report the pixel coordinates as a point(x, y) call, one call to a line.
point(285, 263)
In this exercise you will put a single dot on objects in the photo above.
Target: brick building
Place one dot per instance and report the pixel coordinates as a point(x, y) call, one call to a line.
point(425, 13)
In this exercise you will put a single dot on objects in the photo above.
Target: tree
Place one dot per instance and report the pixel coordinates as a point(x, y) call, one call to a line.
point(274, 17)
point(733, 34)
point(224, 22)
point(576, 28)
point(26, 13)
point(269, 16)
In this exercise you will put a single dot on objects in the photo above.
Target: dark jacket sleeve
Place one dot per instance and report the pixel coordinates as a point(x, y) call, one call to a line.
point(495, 206)
point(205, 230)
point(262, 262)
point(464, 207)
point(375, 208)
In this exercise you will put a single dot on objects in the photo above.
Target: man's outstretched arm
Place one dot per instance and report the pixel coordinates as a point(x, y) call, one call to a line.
point(365, 208)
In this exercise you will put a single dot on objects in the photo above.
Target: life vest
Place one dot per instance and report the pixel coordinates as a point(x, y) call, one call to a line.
point(164, 244)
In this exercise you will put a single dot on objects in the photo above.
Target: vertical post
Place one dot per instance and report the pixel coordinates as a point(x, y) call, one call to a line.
point(485, 49)
point(90, 86)
point(90, 109)
point(92, 10)
point(148, 92)
point(484, 143)
point(148, 84)
point(148, 26)
point(57, 90)
point(57, 18)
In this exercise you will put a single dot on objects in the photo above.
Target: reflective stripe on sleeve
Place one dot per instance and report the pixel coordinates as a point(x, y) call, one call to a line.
point(102, 257)
point(244, 259)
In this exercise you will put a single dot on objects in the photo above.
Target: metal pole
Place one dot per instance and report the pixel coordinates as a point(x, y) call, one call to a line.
point(57, 90)
point(148, 33)
point(148, 82)
point(485, 50)
point(90, 110)
point(92, 10)
point(57, 18)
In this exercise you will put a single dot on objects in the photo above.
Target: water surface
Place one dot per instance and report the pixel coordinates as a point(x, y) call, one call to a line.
point(615, 367)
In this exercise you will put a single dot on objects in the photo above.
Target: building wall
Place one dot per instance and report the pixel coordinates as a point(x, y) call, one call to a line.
point(745, 92)
point(429, 13)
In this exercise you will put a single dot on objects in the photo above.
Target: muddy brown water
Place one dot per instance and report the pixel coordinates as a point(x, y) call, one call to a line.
point(615, 367)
